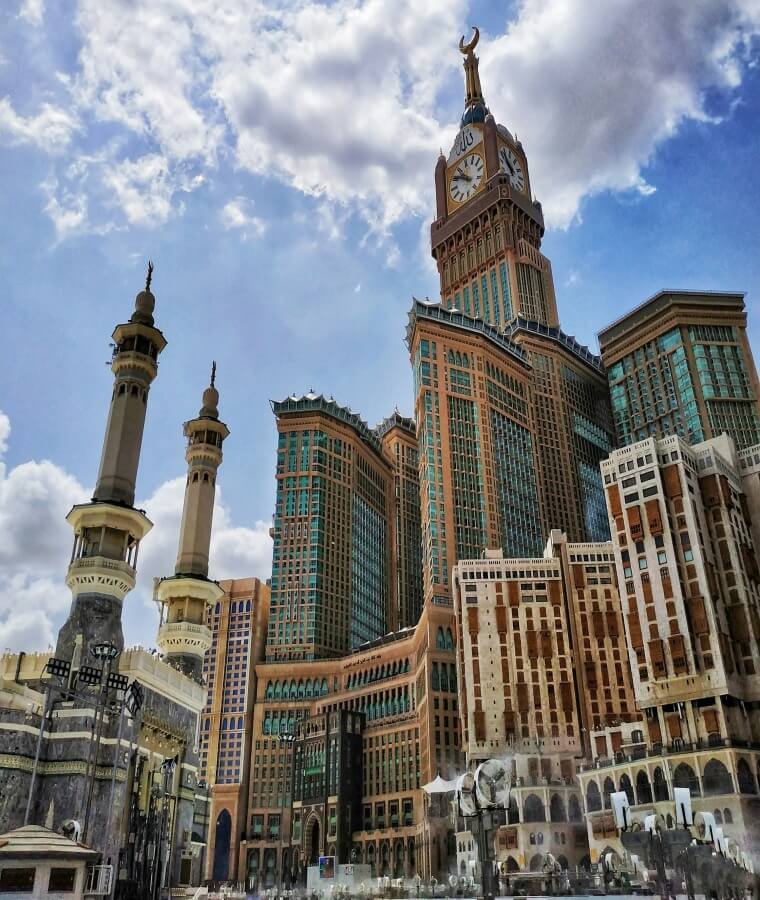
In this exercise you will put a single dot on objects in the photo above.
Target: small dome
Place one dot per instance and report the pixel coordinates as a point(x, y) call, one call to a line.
point(210, 408)
point(145, 303)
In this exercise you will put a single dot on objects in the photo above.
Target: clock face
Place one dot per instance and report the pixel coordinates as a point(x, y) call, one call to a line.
point(466, 178)
point(510, 165)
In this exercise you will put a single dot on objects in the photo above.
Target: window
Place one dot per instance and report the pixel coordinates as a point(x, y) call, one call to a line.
point(17, 881)
point(62, 881)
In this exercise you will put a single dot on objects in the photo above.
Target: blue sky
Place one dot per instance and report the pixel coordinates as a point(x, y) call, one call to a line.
point(276, 160)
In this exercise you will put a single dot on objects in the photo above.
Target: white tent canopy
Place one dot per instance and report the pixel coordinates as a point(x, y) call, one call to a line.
point(439, 786)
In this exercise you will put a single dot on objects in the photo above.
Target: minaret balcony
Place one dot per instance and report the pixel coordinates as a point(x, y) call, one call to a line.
point(184, 637)
point(100, 575)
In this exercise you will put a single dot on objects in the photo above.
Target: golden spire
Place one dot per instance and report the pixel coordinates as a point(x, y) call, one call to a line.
point(473, 91)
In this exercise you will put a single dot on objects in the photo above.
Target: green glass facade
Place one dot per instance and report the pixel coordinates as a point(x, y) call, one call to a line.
point(653, 393)
point(656, 389)
point(331, 567)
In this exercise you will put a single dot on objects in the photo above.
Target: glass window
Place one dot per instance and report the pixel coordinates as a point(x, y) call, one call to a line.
point(62, 881)
point(17, 881)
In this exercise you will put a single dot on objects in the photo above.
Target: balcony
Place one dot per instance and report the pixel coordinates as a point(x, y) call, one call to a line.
point(99, 574)
point(184, 637)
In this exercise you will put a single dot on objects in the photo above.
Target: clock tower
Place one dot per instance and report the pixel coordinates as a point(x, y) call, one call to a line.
point(486, 237)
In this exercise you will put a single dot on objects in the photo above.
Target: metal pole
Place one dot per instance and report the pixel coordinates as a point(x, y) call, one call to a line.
point(32, 780)
point(95, 735)
point(112, 794)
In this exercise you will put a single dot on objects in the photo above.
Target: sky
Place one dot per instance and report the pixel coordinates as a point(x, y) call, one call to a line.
point(275, 160)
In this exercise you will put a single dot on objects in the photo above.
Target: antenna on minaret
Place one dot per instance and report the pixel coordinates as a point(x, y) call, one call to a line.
point(150, 275)
point(213, 372)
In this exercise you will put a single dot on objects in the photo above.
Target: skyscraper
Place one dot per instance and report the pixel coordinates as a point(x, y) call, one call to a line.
point(399, 437)
point(333, 585)
point(513, 414)
point(681, 364)
point(237, 622)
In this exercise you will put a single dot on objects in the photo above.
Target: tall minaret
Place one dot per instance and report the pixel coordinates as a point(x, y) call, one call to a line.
point(183, 635)
point(108, 529)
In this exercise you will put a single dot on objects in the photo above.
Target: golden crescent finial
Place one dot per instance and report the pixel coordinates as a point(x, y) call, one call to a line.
point(468, 48)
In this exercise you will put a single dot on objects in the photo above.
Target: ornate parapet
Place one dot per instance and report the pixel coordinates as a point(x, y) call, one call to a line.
point(164, 679)
point(184, 638)
point(100, 575)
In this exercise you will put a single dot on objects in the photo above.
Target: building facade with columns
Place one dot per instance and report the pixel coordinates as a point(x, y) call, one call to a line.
point(96, 737)
point(542, 661)
point(682, 526)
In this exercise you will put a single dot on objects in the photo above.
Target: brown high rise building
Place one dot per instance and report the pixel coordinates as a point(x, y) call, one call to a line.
point(542, 661)
point(399, 437)
point(681, 364)
point(513, 414)
point(402, 691)
point(683, 519)
point(237, 622)
point(333, 583)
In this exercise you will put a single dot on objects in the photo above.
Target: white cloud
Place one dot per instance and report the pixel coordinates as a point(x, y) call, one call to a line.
point(593, 94)
point(33, 11)
point(34, 553)
point(51, 129)
point(344, 101)
point(573, 278)
point(237, 214)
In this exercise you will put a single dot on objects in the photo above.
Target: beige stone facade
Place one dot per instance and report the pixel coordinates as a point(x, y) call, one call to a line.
point(683, 533)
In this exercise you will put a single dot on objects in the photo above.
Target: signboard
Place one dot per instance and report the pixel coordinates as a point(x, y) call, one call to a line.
point(348, 870)
point(327, 867)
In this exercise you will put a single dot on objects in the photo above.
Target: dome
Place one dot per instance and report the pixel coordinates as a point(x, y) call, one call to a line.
point(210, 408)
point(145, 303)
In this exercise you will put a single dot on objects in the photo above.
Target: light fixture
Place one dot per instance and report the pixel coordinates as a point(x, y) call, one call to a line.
point(104, 650)
point(89, 675)
point(58, 667)
point(117, 682)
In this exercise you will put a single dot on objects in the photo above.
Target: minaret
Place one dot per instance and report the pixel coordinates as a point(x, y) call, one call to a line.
point(183, 635)
point(108, 529)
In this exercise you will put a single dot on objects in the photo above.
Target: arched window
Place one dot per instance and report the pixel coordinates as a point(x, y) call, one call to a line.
point(609, 789)
point(240, 723)
point(217, 608)
point(593, 797)
point(513, 814)
point(557, 809)
point(728, 816)
point(745, 778)
point(224, 724)
point(574, 808)
point(684, 776)
point(440, 640)
point(643, 788)
point(324, 687)
point(293, 689)
point(207, 726)
point(307, 690)
point(434, 679)
point(267, 725)
point(248, 606)
point(301, 689)
point(444, 677)
point(533, 809)
point(625, 785)
point(269, 691)
point(449, 639)
point(716, 779)
point(660, 785)
point(718, 816)
point(277, 690)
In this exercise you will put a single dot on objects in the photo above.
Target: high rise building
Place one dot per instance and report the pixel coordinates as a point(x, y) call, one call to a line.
point(682, 527)
point(333, 581)
point(681, 364)
point(402, 688)
point(399, 438)
point(237, 622)
point(513, 415)
point(478, 457)
point(542, 661)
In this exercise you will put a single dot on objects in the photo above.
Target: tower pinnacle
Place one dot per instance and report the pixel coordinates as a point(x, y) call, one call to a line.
point(475, 109)
point(108, 530)
point(185, 596)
